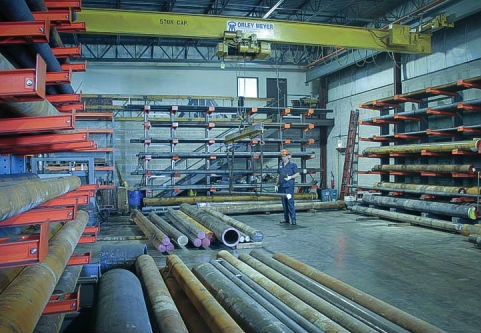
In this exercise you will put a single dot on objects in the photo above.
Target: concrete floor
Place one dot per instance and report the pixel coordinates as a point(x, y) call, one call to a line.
point(434, 275)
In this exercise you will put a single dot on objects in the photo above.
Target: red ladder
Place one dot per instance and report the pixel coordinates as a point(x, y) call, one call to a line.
point(350, 154)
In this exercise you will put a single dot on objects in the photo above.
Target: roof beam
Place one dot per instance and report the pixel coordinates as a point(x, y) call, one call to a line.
point(173, 25)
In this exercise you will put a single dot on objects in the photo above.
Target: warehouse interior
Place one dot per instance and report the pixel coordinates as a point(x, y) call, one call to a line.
point(140, 147)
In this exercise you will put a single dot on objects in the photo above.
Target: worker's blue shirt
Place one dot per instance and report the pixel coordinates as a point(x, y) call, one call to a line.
point(285, 170)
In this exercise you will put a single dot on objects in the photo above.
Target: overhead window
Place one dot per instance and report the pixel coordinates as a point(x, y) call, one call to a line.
point(247, 87)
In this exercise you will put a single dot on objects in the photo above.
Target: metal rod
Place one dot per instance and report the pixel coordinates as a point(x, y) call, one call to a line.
point(380, 307)
point(471, 145)
point(215, 316)
point(259, 207)
point(154, 234)
point(167, 317)
point(179, 238)
point(420, 188)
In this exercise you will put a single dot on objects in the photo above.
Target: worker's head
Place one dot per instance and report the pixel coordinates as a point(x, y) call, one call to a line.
point(284, 153)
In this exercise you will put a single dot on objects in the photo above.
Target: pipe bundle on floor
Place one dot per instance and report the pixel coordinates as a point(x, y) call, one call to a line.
point(193, 233)
point(159, 240)
point(178, 237)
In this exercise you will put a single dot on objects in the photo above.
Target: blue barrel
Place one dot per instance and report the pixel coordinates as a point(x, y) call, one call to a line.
point(333, 195)
point(326, 195)
point(135, 199)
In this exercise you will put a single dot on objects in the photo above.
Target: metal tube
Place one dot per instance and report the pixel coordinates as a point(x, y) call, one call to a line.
point(468, 229)
point(246, 311)
point(442, 208)
point(427, 188)
point(471, 145)
point(178, 237)
point(176, 201)
point(208, 233)
point(154, 234)
point(304, 309)
point(192, 318)
point(462, 168)
point(23, 196)
point(259, 207)
point(382, 308)
point(225, 233)
point(282, 311)
point(180, 220)
point(120, 304)
point(342, 318)
point(213, 313)
point(30, 292)
point(166, 315)
point(373, 320)
point(255, 235)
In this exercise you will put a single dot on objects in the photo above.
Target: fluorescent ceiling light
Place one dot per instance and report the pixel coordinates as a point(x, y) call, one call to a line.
point(273, 9)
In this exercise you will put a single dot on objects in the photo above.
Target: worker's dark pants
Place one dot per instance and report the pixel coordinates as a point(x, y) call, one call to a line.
point(288, 204)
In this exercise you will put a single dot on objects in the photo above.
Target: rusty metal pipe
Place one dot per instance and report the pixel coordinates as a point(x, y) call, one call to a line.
point(442, 208)
point(426, 188)
point(180, 220)
point(192, 318)
point(246, 311)
point(120, 304)
point(288, 316)
point(335, 314)
point(470, 145)
point(18, 198)
point(304, 309)
point(380, 307)
point(462, 168)
point(30, 292)
point(224, 232)
point(259, 207)
point(166, 315)
point(208, 233)
point(154, 234)
point(215, 316)
point(255, 235)
point(178, 237)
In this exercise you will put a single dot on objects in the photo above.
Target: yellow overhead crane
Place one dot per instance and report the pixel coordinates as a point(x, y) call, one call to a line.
point(252, 35)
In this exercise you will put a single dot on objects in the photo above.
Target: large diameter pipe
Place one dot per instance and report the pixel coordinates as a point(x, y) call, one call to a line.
point(224, 232)
point(30, 292)
point(259, 207)
point(180, 220)
point(291, 318)
point(401, 318)
point(304, 309)
point(342, 318)
point(249, 314)
point(120, 304)
point(255, 235)
point(208, 233)
point(427, 188)
point(179, 238)
point(215, 316)
point(156, 236)
point(192, 318)
point(442, 208)
point(162, 305)
point(469, 145)
point(21, 197)
point(177, 201)
point(443, 168)
point(408, 218)
point(375, 321)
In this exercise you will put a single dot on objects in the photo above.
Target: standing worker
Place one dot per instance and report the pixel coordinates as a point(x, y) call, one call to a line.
point(286, 173)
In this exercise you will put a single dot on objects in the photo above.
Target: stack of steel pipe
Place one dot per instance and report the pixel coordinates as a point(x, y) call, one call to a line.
point(421, 189)
point(262, 207)
point(209, 234)
point(223, 232)
point(194, 234)
point(443, 168)
point(30, 291)
point(179, 238)
point(468, 145)
point(441, 208)
point(159, 240)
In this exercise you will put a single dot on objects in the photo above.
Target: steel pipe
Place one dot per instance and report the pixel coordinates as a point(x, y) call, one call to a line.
point(470, 145)
point(192, 318)
point(401, 318)
point(225, 233)
point(468, 229)
point(187, 228)
point(259, 207)
point(167, 317)
point(335, 314)
point(208, 233)
point(373, 320)
point(442, 208)
point(179, 238)
point(304, 309)
point(30, 292)
point(287, 315)
point(215, 316)
point(461, 168)
point(255, 235)
point(246, 311)
point(155, 235)
point(23, 196)
point(176, 201)
point(427, 188)
point(120, 304)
